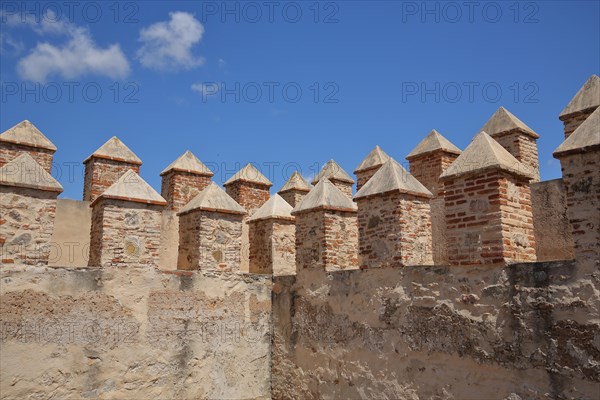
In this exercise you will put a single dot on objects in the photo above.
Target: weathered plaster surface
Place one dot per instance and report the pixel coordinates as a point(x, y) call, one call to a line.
point(529, 331)
point(133, 333)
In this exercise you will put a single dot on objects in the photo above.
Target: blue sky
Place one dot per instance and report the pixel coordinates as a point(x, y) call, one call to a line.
point(335, 78)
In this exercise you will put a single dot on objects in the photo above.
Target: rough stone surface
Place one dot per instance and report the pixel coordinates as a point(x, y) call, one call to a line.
point(516, 137)
point(251, 196)
point(427, 168)
point(293, 197)
point(326, 239)
point(394, 230)
point(337, 176)
point(133, 333)
point(369, 166)
point(523, 147)
point(583, 104)
point(124, 233)
point(272, 246)
point(101, 173)
point(489, 219)
point(581, 175)
point(9, 151)
point(26, 224)
point(553, 239)
point(527, 331)
point(210, 240)
point(179, 187)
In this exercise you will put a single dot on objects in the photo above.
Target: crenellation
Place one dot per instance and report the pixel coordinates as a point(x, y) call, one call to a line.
point(183, 179)
point(488, 207)
point(105, 166)
point(26, 138)
point(369, 166)
point(326, 229)
point(295, 189)
point(516, 137)
point(272, 239)
point(27, 211)
point(210, 232)
point(126, 224)
point(579, 157)
point(581, 106)
point(309, 294)
point(340, 178)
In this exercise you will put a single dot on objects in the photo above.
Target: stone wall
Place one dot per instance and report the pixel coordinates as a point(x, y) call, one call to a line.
point(179, 187)
point(523, 147)
point(10, 151)
point(26, 225)
point(101, 173)
point(394, 229)
point(553, 239)
point(251, 196)
point(293, 197)
point(345, 187)
point(528, 331)
point(326, 239)
point(209, 241)
point(489, 219)
point(363, 177)
point(125, 233)
point(572, 121)
point(428, 167)
point(133, 333)
point(272, 247)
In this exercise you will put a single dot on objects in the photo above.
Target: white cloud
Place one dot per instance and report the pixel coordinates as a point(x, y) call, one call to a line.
point(167, 45)
point(206, 89)
point(79, 56)
point(222, 63)
point(10, 46)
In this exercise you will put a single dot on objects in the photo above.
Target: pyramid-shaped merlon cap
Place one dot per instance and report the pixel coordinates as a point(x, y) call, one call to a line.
point(115, 150)
point(25, 172)
point(434, 141)
point(275, 208)
point(213, 198)
point(27, 134)
point(376, 158)
point(585, 138)
point(249, 174)
point(131, 187)
point(296, 182)
point(504, 121)
point(484, 153)
point(587, 97)
point(325, 196)
point(188, 162)
point(392, 177)
point(332, 170)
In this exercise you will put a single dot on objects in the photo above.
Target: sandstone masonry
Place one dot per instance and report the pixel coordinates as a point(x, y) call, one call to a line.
point(394, 220)
point(26, 138)
point(326, 229)
point(27, 210)
point(488, 207)
point(126, 223)
point(183, 180)
point(210, 232)
point(106, 165)
point(581, 106)
point(337, 176)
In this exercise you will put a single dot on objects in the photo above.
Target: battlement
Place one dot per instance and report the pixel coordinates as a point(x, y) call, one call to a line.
point(467, 264)
point(458, 208)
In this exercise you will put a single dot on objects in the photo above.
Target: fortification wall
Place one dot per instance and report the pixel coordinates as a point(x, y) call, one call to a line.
point(133, 333)
point(529, 331)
